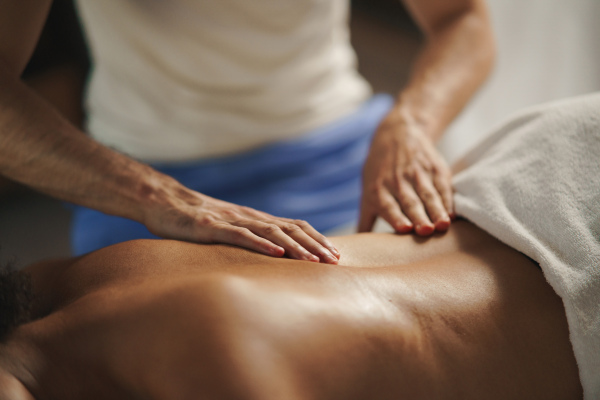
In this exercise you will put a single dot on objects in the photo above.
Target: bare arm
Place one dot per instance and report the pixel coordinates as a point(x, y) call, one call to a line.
point(39, 148)
point(406, 180)
point(455, 61)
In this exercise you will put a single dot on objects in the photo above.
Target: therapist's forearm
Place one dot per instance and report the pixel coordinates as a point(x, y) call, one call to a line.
point(39, 148)
point(406, 180)
point(456, 59)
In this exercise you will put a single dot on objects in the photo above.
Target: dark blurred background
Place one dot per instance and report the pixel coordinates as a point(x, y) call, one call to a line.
point(34, 227)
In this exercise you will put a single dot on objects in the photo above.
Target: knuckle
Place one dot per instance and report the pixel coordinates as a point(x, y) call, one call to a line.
point(373, 189)
point(397, 183)
point(270, 229)
point(408, 171)
point(229, 214)
point(427, 165)
point(291, 228)
point(437, 168)
point(379, 194)
point(206, 220)
point(239, 233)
point(427, 196)
point(246, 209)
point(409, 202)
point(301, 223)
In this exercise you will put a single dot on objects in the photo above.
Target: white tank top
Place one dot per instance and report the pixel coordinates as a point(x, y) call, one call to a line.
point(176, 80)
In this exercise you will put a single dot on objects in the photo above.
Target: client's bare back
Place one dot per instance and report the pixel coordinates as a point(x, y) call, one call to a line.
point(456, 316)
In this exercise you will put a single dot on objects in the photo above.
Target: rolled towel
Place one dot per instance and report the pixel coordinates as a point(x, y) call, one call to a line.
point(534, 184)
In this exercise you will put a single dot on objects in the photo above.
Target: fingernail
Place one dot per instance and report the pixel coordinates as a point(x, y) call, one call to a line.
point(403, 228)
point(331, 259)
point(277, 251)
point(443, 225)
point(424, 229)
point(331, 248)
point(326, 254)
point(311, 257)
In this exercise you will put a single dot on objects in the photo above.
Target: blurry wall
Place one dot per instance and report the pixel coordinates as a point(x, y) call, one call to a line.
point(546, 50)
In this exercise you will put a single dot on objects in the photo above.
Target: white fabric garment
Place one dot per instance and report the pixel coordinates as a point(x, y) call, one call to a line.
point(535, 185)
point(177, 80)
point(546, 50)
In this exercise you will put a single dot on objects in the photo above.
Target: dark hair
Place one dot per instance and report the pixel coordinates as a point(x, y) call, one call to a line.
point(16, 299)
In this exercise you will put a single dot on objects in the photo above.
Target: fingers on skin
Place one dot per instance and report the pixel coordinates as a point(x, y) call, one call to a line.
point(412, 207)
point(378, 201)
point(297, 237)
point(432, 201)
point(315, 235)
point(274, 233)
point(442, 180)
point(414, 200)
point(242, 237)
point(391, 212)
point(297, 230)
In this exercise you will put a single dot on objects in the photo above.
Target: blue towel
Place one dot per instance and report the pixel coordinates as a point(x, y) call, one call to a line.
point(315, 178)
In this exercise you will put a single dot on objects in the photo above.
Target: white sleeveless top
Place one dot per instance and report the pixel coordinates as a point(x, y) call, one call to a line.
point(176, 80)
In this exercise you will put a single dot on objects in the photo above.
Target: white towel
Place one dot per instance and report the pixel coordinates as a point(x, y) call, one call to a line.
point(535, 185)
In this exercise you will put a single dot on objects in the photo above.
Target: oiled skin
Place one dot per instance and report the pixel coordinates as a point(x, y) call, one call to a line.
point(457, 316)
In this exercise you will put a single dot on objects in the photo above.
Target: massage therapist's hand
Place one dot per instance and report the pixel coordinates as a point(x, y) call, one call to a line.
point(405, 180)
point(39, 148)
point(192, 216)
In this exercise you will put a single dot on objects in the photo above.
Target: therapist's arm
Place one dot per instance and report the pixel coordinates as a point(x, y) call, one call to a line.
point(39, 148)
point(406, 180)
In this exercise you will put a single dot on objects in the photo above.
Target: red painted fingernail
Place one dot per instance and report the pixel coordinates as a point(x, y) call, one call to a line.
point(312, 258)
point(277, 251)
point(404, 228)
point(442, 225)
point(424, 229)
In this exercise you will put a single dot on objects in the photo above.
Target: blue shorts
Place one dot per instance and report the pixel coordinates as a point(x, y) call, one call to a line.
point(315, 178)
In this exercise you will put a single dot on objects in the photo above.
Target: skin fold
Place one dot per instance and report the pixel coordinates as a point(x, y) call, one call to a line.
point(455, 316)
